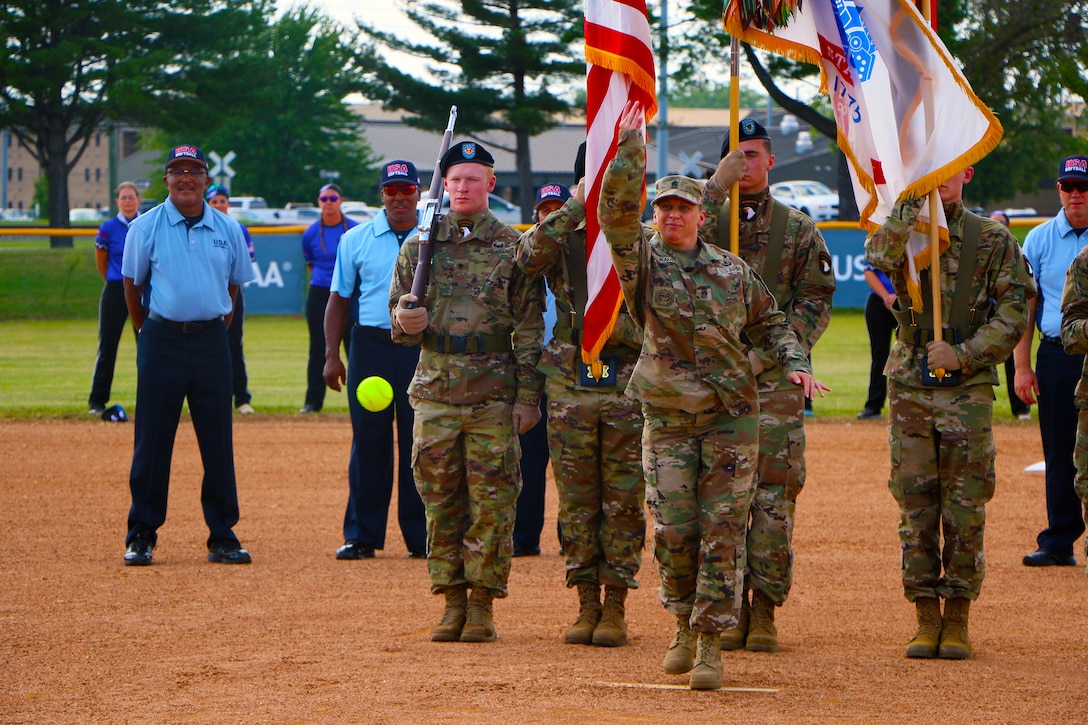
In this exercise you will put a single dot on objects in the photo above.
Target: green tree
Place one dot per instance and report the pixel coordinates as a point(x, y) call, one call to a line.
point(1023, 59)
point(67, 67)
point(496, 60)
point(278, 104)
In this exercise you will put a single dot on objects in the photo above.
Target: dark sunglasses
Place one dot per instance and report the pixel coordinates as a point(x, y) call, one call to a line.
point(394, 189)
point(330, 197)
point(1070, 186)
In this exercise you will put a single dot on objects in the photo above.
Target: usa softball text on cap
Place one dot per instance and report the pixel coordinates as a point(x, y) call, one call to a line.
point(396, 170)
point(1076, 165)
point(551, 190)
point(190, 151)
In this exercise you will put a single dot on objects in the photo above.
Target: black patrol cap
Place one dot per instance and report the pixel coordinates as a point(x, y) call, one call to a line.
point(466, 152)
point(749, 129)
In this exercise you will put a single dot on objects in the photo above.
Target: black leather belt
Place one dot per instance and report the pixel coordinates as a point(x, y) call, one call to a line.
point(461, 344)
point(1053, 340)
point(187, 327)
point(377, 333)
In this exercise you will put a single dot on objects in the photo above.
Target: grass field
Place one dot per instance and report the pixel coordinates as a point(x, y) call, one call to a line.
point(48, 325)
point(46, 365)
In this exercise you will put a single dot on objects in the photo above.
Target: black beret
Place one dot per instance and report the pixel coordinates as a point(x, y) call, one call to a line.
point(580, 164)
point(466, 152)
point(749, 129)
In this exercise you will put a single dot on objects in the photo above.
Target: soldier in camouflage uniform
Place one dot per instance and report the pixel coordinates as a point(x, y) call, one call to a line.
point(476, 387)
point(1075, 340)
point(803, 284)
point(940, 429)
point(594, 431)
point(700, 441)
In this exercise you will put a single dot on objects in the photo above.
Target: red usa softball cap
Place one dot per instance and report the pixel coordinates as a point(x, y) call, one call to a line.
point(466, 152)
point(1073, 168)
point(550, 192)
point(399, 172)
point(186, 153)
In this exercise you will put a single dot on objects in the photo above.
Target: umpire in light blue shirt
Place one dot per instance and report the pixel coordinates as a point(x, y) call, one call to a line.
point(368, 254)
point(182, 268)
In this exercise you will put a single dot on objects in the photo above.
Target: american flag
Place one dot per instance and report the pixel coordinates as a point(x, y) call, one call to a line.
point(620, 62)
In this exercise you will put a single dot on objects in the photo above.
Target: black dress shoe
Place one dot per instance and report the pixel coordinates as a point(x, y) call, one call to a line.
point(139, 551)
point(526, 551)
point(352, 550)
point(1042, 557)
point(228, 552)
point(868, 414)
point(417, 553)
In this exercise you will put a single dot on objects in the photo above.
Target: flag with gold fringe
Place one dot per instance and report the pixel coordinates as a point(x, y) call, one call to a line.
point(907, 117)
point(620, 67)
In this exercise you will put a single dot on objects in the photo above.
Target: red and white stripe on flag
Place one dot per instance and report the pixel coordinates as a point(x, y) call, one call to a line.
point(907, 117)
point(620, 67)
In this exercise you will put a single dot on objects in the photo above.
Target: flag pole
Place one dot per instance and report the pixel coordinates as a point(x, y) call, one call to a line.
point(934, 232)
point(734, 141)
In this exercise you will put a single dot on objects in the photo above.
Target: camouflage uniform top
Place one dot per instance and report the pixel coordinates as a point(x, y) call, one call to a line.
point(1075, 319)
point(692, 354)
point(475, 289)
point(545, 250)
point(1001, 287)
point(805, 283)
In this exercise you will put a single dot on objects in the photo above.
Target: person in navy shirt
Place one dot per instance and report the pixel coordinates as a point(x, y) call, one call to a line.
point(365, 261)
point(109, 246)
point(881, 324)
point(218, 198)
point(182, 267)
point(319, 244)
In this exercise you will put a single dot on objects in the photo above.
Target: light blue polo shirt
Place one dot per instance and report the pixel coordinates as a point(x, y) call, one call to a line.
point(185, 272)
point(368, 252)
point(1051, 248)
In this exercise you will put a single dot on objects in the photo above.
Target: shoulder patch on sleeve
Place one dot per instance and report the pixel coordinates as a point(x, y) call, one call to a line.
point(825, 263)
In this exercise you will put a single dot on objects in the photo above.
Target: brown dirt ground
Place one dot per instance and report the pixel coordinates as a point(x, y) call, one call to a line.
point(299, 637)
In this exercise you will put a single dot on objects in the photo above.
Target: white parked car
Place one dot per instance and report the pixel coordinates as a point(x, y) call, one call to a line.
point(85, 215)
point(811, 197)
point(360, 211)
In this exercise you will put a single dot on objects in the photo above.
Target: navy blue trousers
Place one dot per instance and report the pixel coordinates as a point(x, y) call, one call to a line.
point(529, 521)
point(112, 316)
point(370, 469)
point(173, 366)
point(881, 324)
point(1058, 374)
point(239, 377)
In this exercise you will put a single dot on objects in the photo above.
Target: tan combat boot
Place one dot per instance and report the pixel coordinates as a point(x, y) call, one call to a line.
point(762, 634)
point(681, 655)
point(707, 673)
point(734, 639)
point(589, 614)
point(926, 639)
point(453, 619)
point(612, 630)
point(955, 644)
point(479, 625)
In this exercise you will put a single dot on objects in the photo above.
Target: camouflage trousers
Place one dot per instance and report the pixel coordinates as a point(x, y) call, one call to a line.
point(465, 460)
point(779, 480)
point(700, 480)
point(595, 441)
point(1080, 460)
point(942, 475)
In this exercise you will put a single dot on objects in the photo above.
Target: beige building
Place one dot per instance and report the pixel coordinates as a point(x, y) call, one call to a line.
point(89, 183)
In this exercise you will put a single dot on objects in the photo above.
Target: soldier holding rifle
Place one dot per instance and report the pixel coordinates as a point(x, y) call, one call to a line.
point(480, 325)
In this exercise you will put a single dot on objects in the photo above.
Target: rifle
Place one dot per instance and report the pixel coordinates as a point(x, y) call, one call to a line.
point(431, 218)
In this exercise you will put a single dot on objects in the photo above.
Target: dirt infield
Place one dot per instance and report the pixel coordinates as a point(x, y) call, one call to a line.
point(298, 637)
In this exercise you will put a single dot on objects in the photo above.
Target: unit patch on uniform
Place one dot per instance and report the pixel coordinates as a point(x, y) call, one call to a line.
point(664, 298)
point(748, 210)
point(825, 263)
